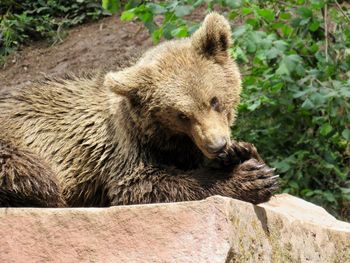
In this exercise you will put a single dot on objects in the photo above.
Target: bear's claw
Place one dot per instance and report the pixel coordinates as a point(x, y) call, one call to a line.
point(257, 181)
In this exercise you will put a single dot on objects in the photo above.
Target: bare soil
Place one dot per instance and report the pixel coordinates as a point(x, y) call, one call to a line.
point(107, 44)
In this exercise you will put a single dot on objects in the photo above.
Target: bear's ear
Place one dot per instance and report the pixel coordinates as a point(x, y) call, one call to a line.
point(213, 38)
point(127, 82)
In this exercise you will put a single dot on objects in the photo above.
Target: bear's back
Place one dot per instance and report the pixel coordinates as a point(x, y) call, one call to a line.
point(66, 122)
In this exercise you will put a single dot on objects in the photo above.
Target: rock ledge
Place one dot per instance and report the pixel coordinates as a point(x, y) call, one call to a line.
point(218, 229)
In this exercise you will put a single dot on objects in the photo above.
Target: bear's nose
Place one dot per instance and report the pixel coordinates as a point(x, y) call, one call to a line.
point(218, 146)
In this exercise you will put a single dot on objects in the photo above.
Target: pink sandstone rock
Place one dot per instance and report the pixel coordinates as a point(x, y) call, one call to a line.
point(218, 229)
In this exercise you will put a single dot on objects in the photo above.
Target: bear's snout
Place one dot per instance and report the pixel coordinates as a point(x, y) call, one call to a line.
point(217, 146)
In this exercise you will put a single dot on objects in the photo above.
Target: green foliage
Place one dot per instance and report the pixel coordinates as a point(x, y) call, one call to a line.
point(296, 101)
point(297, 95)
point(172, 13)
point(23, 21)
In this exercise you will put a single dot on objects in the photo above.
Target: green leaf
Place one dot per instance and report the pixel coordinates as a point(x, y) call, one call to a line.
point(246, 11)
point(127, 15)
point(181, 31)
point(346, 196)
point(112, 6)
point(288, 64)
point(183, 10)
point(157, 9)
point(272, 53)
point(304, 22)
point(345, 190)
point(233, 14)
point(198, 3)
point(268, 14)
point(193, 28)
point(329, 196)
point(234, 3)
point(255, 105)
point(252, 22)
point(280, 45)
point(239, 31)
point(314, 48)
point(309, 193)
point(307, 104)
point(325, 129)
point(345, 91)
point(283, 69)
point(285, 16)
point(317, 3)
point(287, 30)
point(240, 55)
point(283, 166)
point(294, 184)
point(300, 93)
point(305, 12)
point(346, 134)
point(314, 26)
point(156, 35)
point(150, 25)
point(277, 87)
point(318, 99)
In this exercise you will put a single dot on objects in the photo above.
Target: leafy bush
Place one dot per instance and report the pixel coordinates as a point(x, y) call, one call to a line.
point(295, 58)
point(23, 21)
point(297, 96)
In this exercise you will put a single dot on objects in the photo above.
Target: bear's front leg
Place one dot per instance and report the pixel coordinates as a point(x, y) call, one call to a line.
point(250, 181)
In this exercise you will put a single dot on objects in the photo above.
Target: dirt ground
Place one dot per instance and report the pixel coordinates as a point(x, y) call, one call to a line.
point(107, 44)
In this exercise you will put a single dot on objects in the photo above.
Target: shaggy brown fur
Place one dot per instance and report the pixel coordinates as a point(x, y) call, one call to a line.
point(158, 131)
point(25, 180)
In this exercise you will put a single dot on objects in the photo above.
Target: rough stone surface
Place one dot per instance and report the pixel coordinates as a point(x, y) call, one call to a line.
point(218, 229)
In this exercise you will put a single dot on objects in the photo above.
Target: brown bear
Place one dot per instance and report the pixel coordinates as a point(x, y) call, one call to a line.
point(158, 131)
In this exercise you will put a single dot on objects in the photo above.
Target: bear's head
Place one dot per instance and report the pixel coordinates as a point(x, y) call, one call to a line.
point(189, 86)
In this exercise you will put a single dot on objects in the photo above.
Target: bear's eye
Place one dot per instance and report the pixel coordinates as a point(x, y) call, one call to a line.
point(183, 117)
point(214, 103)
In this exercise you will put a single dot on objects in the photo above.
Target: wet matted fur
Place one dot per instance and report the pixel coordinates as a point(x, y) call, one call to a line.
point(25, 179)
